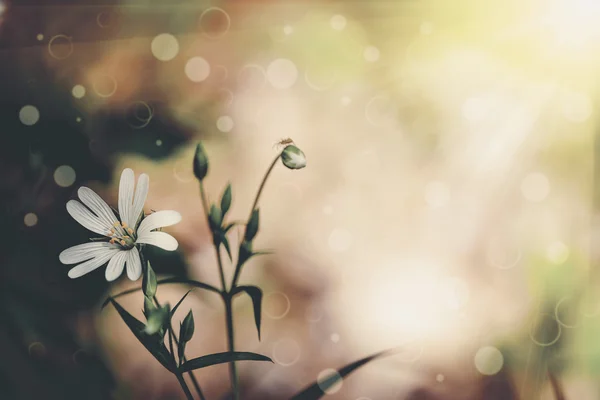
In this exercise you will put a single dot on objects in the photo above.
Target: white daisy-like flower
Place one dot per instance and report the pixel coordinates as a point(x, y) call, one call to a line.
point(125, 235)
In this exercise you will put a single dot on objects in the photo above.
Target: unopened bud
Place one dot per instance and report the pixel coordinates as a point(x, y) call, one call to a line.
point(293, 158)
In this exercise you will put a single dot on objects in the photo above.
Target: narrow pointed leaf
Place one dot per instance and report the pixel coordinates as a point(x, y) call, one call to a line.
point(153, 344)
point(226, 244)
point(252, 227)
point(263, 253)
point(226, 200)
point(220, 358)
point(256, 295)
point(165, 281)
point(215, 217)
point(317, 389)
point(179, 302)
point(187, 328)
point(181, 350)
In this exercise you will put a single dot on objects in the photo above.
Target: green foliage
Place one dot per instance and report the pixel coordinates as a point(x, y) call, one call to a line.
point(226, 200)
point(256, 295)
point(200, 162)
point(221, 358)
point(149, 281)
point(252, 227)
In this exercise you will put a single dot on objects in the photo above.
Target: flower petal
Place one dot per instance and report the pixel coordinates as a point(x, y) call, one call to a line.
point(92, 264)
point(126, 194)
point(115, 266)
point(159, 239)
point(85, 217)
point(134, 264)
point(83, 252)
point(158, 219)
point(141, 191)
point(97, 205)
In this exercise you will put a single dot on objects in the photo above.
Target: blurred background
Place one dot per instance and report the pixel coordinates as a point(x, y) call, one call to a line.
point(448, 206)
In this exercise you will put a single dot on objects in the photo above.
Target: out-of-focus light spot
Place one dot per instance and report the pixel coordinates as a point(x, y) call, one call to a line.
point(197, 69)
point(29, 115)
point(489, 360)
point(165, 47)
point(340, 240)
point(503, 255)
point(314, 313)
point(286, 352)
point(282, 73)
point(426, 28)
point(371, 54)
point(183, 172)
point(276, 305)
point(60, 47)
point(158, 142)
point(78, 119)
point(30, 219)
point(577, 107)
point(338, 22)
point(535, 187)
point(214, 22)
point(64, 176)
point(335, 337)
point(37, 349)
point(327, 210)
point(545, 330)
point(330, 381)
point(78, 91)
point(437, 194)
point(566, 312)
point(105, 85)
point(288, 29)
point(475, 109)
point(440, 378)
point(345, 100)
point(40, 37)
point(557, 252)
point(225, 123)
point(320, 81)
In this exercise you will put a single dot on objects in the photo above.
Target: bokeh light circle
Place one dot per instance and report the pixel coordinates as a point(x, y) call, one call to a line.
point(440, 378)
point(60, 47)
point(183, 172)
point(535, 187)
point(64, 176)
point(503, 255)
point(165, 47)
point(314, 313)
point(325, 379)
point(321, 82)
point(40, 37)
point(338, 22)
point(225, 123)
point(30, 219)
point(489, 360)
point(37, 349)
point(105, 85)
point(286, 352)
point(29, 115)
point(557, 252)
point(78, 91)
point(197, 69)
point(545, 330)
point(564, 309)
point(139, 114)
point(282, 73)
point(214, 17)
point(276, 305)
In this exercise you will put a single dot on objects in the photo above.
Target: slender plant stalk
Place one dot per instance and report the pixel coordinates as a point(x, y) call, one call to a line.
point(179, 376)
point(231, 344)
point(206, 211)
point(238, 268)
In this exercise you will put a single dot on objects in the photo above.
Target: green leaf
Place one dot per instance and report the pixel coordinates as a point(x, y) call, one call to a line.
point(158, 320)
point(263, 253)
point(215, 217)
point(200, 162)
point(317, 389)
point(179, 303)
point(187, 328)
point(153, 344)
point(245, 252)
point(220, 358)
point(149, 281)
point(256, 295)
point(225, 242)
point(252, 227)
point(226, 200)
point(165, 281)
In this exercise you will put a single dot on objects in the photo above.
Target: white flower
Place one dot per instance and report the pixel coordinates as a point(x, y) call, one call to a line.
point(125, 235)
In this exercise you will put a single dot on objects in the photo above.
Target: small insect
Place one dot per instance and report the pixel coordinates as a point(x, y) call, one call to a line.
point(284, 142)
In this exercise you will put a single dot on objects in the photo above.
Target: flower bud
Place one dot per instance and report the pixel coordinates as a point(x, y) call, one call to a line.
point(252, 227)
point(293, 158)
point(158, 319)
point(200, 162)
point(149, 283)
point(215, 217)
point(187, 328)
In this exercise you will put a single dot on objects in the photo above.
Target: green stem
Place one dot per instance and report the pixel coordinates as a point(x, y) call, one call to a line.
point(231, 344)
point(206, 211)
point(238, 267)
point(179, 376)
